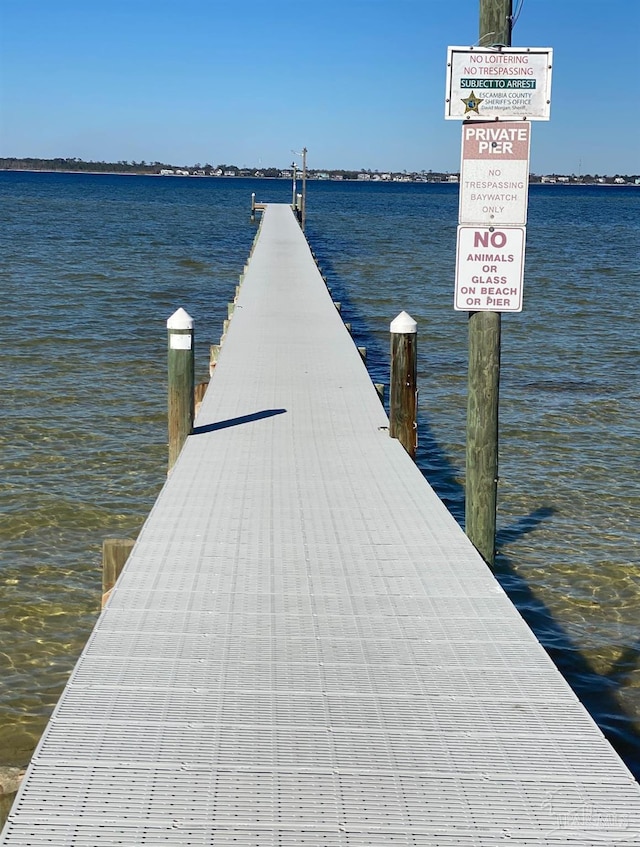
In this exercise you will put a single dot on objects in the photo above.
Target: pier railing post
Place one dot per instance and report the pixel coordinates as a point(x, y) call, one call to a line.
point(403, 389)
point(181, 381)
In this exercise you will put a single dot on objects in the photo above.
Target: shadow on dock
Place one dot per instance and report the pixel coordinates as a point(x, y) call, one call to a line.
point(596, 691)
point(242, 419)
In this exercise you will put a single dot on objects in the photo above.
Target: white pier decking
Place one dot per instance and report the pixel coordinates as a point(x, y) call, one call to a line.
point(304, 648)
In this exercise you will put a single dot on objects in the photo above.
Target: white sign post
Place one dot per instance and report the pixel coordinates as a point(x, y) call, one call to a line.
point(489, 269)
point(499, 83)
point(494, 173)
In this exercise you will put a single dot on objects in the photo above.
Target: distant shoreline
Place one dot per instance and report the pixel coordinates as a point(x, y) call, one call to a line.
point(406, 181)
point(545, 184)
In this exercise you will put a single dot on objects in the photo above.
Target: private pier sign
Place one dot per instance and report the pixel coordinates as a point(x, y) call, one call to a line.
point(494, 172)
point(498, 83)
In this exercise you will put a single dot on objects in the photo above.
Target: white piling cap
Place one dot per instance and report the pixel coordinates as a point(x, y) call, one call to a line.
point(180, 320)
point(403, 323)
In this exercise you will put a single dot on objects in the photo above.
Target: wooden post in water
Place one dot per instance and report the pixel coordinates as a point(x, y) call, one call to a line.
point(115, 552)
point(484, 367)
point(214, 352)
point(198, 396)
point(181, 381)
point(403, 389)
point(303, 210)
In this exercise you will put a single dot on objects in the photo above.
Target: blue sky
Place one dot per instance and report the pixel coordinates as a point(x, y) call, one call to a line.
point(245, 82)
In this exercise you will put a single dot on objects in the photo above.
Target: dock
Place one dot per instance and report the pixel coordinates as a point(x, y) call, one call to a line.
point(303, 647)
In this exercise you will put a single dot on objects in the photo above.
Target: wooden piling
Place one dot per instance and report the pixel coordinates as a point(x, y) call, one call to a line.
point(181, 381)
point(198, 396)
point(214, 352)
point(303, 210)
point(404, 373)
point(115, 552)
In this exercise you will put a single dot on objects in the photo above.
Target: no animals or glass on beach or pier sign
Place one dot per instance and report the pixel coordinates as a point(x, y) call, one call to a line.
point(498, 83)
point(489, 269)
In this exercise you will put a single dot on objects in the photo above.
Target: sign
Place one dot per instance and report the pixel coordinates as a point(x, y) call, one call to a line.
point(499, 83)
point(180, 341)
point(489, 269)
point(494, 173)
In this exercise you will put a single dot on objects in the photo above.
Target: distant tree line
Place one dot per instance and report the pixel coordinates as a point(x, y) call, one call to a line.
point(32, 164)
point(126, 167)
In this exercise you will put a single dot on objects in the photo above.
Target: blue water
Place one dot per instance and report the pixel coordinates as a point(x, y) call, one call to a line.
point(92, 266)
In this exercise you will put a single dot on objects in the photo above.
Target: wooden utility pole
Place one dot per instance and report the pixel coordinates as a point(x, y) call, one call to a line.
point(495, 23)
point(484, 366)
